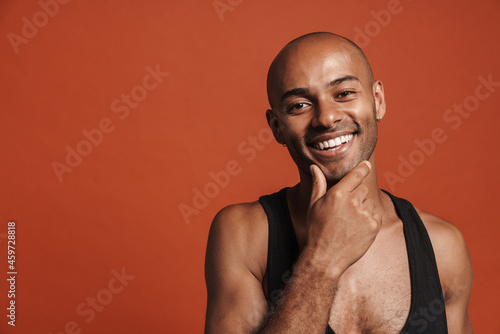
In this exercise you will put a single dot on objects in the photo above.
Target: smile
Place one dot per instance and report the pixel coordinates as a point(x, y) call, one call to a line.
point(333, 143)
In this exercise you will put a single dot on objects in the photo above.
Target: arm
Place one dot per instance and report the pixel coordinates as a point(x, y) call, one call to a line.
point(455, 271)
point(236, 301)
point(235, 298)
point(306, 301)
point(341, 228)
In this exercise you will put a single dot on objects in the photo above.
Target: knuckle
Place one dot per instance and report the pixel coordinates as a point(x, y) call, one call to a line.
point(353, 201)
point(374, 223)
point(337, 195)
point(365, 216)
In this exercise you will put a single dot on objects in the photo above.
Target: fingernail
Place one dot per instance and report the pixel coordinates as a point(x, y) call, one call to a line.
point(369, 164)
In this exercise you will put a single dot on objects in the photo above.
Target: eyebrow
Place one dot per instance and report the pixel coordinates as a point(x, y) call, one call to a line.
point(302, 91)
point(295, 91)
point(342, 79)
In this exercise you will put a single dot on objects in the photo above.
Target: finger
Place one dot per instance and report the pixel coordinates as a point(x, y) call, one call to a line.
point(369, 205)
point(355, 176)
point(318, 184)
point(360, 193)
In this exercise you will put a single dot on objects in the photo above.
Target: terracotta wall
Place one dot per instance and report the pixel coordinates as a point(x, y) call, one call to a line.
point(118, 116)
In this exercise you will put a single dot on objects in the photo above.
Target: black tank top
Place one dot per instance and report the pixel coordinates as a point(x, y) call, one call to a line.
point(427, 310)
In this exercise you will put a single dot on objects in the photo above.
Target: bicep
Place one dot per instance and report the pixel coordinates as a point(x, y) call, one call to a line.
point(235, 297)
point(458, 289)
point(455, 270)
point(457, 317)
point(235, 305)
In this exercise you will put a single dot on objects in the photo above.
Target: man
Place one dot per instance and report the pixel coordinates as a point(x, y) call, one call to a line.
point(334, 253)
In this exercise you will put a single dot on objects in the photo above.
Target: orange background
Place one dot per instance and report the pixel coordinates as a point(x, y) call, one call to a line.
point(119, 207)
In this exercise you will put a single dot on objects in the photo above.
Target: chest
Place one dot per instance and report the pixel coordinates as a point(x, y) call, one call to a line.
point(374, 294)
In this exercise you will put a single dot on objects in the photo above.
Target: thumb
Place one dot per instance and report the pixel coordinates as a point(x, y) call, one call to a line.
point(318, 184)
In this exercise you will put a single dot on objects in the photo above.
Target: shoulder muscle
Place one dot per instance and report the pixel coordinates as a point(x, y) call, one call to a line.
point(452, 255)
point(234, 267)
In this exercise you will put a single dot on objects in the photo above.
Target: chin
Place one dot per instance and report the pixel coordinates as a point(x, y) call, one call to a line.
point(334, 172)
point(334, 176)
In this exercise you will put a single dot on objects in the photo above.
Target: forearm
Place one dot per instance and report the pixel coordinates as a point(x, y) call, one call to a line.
point(306, 301)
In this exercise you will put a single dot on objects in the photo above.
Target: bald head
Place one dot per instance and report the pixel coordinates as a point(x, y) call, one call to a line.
point(307, 50)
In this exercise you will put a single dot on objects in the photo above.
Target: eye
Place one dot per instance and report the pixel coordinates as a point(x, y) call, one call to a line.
point(344, 94)
point(297, 107)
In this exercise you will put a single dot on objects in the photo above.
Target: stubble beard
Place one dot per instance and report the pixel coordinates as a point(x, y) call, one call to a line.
point(366, 149)
point(368, 134)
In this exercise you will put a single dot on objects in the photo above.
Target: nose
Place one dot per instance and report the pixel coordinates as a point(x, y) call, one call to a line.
point(326, 114)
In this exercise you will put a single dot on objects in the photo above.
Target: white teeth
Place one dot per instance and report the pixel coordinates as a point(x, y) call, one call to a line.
point(331, 143)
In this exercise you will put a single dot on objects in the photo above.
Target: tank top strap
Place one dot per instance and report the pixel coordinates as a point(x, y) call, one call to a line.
point(283, 248)
point(427, 310)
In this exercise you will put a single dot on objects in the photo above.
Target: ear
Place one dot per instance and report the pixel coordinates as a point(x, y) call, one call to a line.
point(379, 97)
point(275, 124)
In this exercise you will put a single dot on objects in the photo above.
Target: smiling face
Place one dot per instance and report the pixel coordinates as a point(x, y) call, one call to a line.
point(324, 104)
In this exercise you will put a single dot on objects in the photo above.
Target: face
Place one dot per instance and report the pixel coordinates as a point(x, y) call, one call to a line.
point(325, 109)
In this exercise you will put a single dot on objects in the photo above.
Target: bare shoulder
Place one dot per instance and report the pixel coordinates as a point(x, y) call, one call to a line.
point(235, 265)
point(240, 216)
point(244, 223)
point(238, 235)
point(452, 256)
point(442, 232)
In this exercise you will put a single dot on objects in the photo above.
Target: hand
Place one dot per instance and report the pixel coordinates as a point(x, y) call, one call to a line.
point(342, 223)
